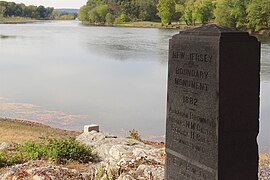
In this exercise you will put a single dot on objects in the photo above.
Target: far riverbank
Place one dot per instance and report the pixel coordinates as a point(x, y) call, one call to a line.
point(17, 20)
point(137, 24)
point(174, 25)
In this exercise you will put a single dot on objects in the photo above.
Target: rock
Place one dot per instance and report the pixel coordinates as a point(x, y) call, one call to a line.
point(118, 151)
point(139, 152)
point(125, 176)
point(4, 146)
point(151, 172)
point(264, 173)
point(36, 177)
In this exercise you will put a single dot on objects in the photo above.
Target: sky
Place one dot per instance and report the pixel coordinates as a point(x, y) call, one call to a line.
point(53, 3)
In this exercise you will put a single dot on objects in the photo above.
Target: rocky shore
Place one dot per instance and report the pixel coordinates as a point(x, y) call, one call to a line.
point(118, 158)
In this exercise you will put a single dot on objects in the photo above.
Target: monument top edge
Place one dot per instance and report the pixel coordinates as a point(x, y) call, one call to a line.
point(212, 29)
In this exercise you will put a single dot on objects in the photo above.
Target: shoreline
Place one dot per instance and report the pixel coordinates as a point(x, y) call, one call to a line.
point(18, 21)
point(138, 24)
point(149, 24)
point(135, 159)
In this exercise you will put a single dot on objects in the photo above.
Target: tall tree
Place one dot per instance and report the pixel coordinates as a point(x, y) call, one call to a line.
point(166, 10)
point(83, 13)
point(231, 13)
point(258, 14)
point(223, 13)
point(204, 10)
point(189, 12)
point(98, 14)
point(2, 10)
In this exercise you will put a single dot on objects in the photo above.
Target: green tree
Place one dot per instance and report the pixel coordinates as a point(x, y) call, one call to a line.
point(166, 10)
point(189, 15)
point(8, 9)
point(41, 12)
point(98, 14)
point(258, 14)
point(2, 10)
point(147, 9)
point(223, 13)
point(231, 13)
point(121, 19)
point(109, 19)
point(83, 13)
point(204, 10)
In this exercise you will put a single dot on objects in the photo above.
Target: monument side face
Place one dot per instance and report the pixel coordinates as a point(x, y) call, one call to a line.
point(202, 129)
point(239, 108)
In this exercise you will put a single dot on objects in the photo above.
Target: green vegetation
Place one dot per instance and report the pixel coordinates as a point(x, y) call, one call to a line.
point(118, 11)
point(258, 14)
point(244, 14)
point(166, 10)
point(10, 157)
point(60, 150)
point(63, 16)
point(134, 134)
point(11, 9)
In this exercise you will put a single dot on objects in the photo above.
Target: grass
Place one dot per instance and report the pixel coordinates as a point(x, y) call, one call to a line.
point(17, 131)
point(143, 24)
point(30, 141)
point(15, 20)
point(59, 150)
point(147, 24)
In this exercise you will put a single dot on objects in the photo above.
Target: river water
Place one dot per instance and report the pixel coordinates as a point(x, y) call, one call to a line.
point(68, 75)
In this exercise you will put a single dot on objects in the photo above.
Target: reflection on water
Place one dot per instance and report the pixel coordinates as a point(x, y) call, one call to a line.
point(115, 77)
point(264, 136)
point(5, 37)
point(265, 62)
point(68, 75)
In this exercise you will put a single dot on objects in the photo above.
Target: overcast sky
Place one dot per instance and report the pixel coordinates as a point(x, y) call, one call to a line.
point(53, 3)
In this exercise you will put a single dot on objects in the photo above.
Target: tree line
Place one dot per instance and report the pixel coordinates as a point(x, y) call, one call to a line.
point(9, 9)
point(118, 11)
point(246, 14)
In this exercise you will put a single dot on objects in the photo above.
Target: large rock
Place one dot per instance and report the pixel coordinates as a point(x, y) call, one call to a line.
point(135, 159)
point(112, 149)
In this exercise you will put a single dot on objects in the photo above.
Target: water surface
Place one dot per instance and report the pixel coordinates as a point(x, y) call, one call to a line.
point(67, 75)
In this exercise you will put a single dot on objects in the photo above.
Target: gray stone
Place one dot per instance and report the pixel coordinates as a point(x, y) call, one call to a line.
point(151, 172)
point(125, 176)
point(36, 177)
point(4, 146)
point(212, 105)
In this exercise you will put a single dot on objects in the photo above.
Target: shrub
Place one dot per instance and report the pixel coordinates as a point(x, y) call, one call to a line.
point(122, 19)
point(134, 134)
point(109, 18)
point(10, 158)
point(61, 150)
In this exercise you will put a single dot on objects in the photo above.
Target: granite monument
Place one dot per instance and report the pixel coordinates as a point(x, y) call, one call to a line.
point(212, 105)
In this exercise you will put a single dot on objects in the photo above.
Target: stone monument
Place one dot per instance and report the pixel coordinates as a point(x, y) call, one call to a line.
point(213, 105)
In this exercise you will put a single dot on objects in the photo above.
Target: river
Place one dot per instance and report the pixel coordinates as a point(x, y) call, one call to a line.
point(67, 75)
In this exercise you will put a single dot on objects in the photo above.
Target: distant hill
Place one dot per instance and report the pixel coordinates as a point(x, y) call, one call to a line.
point(67, 11)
